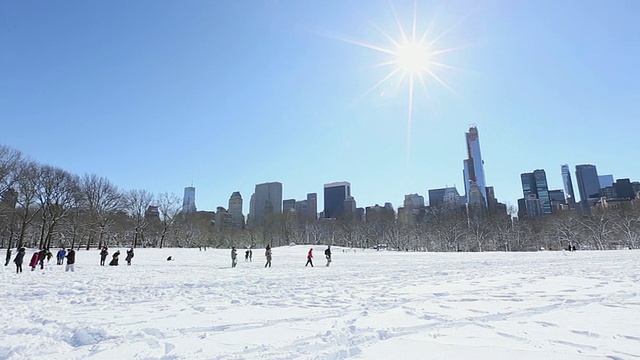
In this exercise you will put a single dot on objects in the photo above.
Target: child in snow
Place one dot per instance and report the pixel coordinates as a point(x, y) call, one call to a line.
point(34, 260)
point(114, 258)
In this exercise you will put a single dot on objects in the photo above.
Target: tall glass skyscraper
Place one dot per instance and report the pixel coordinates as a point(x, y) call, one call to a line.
point(588, 183)
point(474, 166)
point(535, 187)
point(335, 195)
point(568, 184)
point(189, 200)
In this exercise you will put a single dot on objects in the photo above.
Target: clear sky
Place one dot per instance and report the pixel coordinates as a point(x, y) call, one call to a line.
point(227, 94)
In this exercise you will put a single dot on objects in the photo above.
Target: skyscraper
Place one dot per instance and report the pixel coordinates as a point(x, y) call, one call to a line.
point(235, 209)
point(568, 184)
point(312, 206)
point(266, 200)
point(189, 200)
point(474, 168)
point(335, 195)
point(534, 186)
point(588, 184)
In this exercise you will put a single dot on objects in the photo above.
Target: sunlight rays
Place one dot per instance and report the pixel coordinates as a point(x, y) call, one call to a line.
point(412, 60)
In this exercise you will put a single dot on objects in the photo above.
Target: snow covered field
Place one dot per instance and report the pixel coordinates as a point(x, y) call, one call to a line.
point(367, 305)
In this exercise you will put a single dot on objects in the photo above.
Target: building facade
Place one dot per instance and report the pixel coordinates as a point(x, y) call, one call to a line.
point(235, 210)
point(189, 200)
point(474, 167)
point(266, 201)
point(335, 195)
point(588, 184)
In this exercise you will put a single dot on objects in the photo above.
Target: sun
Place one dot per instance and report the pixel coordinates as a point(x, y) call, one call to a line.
point(413, 60)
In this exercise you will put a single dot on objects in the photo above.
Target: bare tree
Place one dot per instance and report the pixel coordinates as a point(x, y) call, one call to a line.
point(136, 203)
point(169, 208)
point(27, 198)
point(59, 194)
point(101, 199)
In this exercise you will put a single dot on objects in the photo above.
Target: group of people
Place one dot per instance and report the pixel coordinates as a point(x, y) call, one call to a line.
point(267, 254)
point(115, 257)
point(39, 257)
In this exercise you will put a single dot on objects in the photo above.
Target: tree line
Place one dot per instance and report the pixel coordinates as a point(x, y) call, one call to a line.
point(46, 207)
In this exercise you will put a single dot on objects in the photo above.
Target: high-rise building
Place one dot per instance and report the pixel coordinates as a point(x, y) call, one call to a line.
point(568, 184)
point(588, 184)
point(605, 180)
point(534, 186)
point(445, 196)
point(557, 198)
point(334, 196)
point(624, 189)
point(413, 201)
point(189, 200)
point(235, 209)
point(474, 168)
point(288, 205)
point(312, 206)
point(265, 201)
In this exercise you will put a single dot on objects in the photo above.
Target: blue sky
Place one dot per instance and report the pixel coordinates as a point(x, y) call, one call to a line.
point(227, 94)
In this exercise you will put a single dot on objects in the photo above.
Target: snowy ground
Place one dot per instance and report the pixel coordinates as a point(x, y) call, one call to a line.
point(367, 305)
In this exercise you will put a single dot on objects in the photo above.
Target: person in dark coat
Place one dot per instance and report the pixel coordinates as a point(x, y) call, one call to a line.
point(267, 253)
point(19, 260)
point(41, 257)
point(129, 256)
point(71, 260)
point(246, 256)
point(49, 255)
point(309, 258)
point(327, 254)
point(114, 258)
point(34, 260)
point(234, 257)
point(8, 258)
point(103, 255)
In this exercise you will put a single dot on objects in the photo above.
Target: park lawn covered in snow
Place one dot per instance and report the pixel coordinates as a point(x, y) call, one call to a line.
point(366, 305)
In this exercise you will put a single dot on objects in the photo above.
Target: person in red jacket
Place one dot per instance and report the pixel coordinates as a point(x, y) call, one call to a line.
point(309, 258)
point(34, 260)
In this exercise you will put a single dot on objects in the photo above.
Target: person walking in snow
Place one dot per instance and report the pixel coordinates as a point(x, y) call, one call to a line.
point(234, 256)
point(327, 254)
point(41, 257)
point(267, 254)
point(8, 257)
point(114, 258)
point(309, 258)
point(103, 255)
point(129, 256)
point(34, 260)
point(246, 256)
point(250, 255)
point(71, 260)
point(60, 256)
point(19, 260)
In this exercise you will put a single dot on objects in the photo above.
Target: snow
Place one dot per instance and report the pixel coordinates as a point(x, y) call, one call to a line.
point(366, 305)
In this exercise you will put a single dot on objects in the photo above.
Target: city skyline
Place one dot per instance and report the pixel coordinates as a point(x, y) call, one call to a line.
point(141, 93)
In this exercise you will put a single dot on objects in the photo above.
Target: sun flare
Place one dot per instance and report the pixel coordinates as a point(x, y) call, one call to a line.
point(413, 60)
